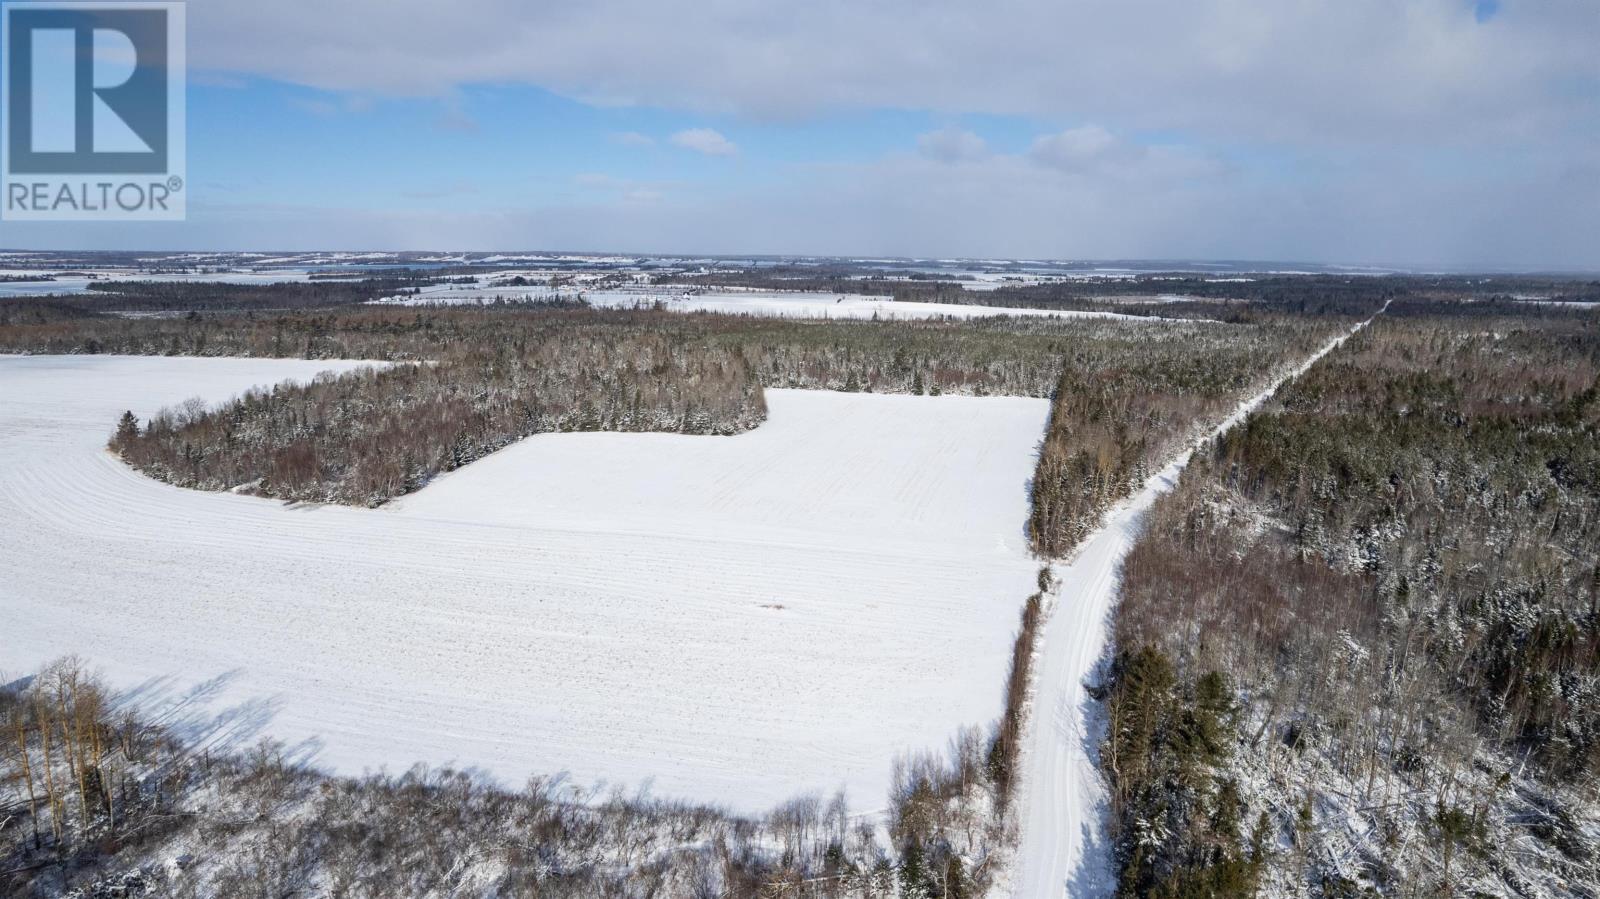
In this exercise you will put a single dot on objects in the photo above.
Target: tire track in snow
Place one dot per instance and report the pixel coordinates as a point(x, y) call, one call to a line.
point(1064, 848)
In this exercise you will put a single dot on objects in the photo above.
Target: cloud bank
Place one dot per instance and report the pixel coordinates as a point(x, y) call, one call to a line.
point(1426, 131)
point(1300, 70)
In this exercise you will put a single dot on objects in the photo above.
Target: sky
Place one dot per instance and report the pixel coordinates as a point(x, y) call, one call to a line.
point(1395, 132)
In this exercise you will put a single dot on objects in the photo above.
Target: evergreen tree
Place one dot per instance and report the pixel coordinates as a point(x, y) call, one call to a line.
point(127, 432)
point(914, 874)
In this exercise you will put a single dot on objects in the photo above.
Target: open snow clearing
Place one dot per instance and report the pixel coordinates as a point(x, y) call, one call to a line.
point(728, 619)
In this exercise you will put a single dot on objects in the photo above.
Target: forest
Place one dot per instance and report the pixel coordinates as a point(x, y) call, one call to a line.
point(204, 296)
point(474, 379)
point(1356, 648)
point(1125, 407)
point(1172, 295)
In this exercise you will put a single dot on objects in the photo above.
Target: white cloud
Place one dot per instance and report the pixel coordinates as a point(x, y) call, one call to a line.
point(1360, 130)
point(1287, 70)
point(704, 140)
point(1092, 151)
point(331, 106)
point(1075, 147)
point(952, 145)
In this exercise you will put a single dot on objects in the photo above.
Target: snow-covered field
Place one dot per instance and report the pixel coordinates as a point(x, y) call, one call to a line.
point(79, 283)
point(737, 619)
point(782, 304)
point(1561, 304)
point(827, 305)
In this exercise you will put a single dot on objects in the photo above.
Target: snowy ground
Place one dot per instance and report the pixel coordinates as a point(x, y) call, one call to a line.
point(783, 304)
point(79, 283)
point(740, 619)
point(1561, 304)
point(1064, 849)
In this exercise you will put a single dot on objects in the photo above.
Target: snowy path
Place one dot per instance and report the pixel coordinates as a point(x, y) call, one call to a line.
point(1064, 849)
point(739, 619)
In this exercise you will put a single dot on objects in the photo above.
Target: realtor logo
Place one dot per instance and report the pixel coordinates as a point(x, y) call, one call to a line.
point(92, 97)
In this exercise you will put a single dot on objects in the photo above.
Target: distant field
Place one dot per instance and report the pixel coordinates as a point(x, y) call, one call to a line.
point(731, 301)
point(733, 619)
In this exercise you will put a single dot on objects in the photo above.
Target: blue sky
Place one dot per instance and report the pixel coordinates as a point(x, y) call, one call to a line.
point(519, 146)
point(514, 146)
point(1433, 131)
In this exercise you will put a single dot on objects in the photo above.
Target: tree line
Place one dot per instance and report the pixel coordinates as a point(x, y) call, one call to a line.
point(1123, 393)
point(205, 296)
point(98, 798)
point(1238, 298)
point(368, 436)
point(1123, 408)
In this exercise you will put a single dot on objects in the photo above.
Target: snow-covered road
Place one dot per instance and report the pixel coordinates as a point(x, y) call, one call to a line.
point(1064, 847)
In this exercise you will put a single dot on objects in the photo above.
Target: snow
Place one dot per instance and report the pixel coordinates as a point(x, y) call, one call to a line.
point(79, 284)
point(1561, 304)
point(727, 619)
point(827, 305)
point(41, 288)
point(781, 304)
point(1065, 850)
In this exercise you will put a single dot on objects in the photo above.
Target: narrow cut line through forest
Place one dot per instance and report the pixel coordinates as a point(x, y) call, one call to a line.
point(1064, 848)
